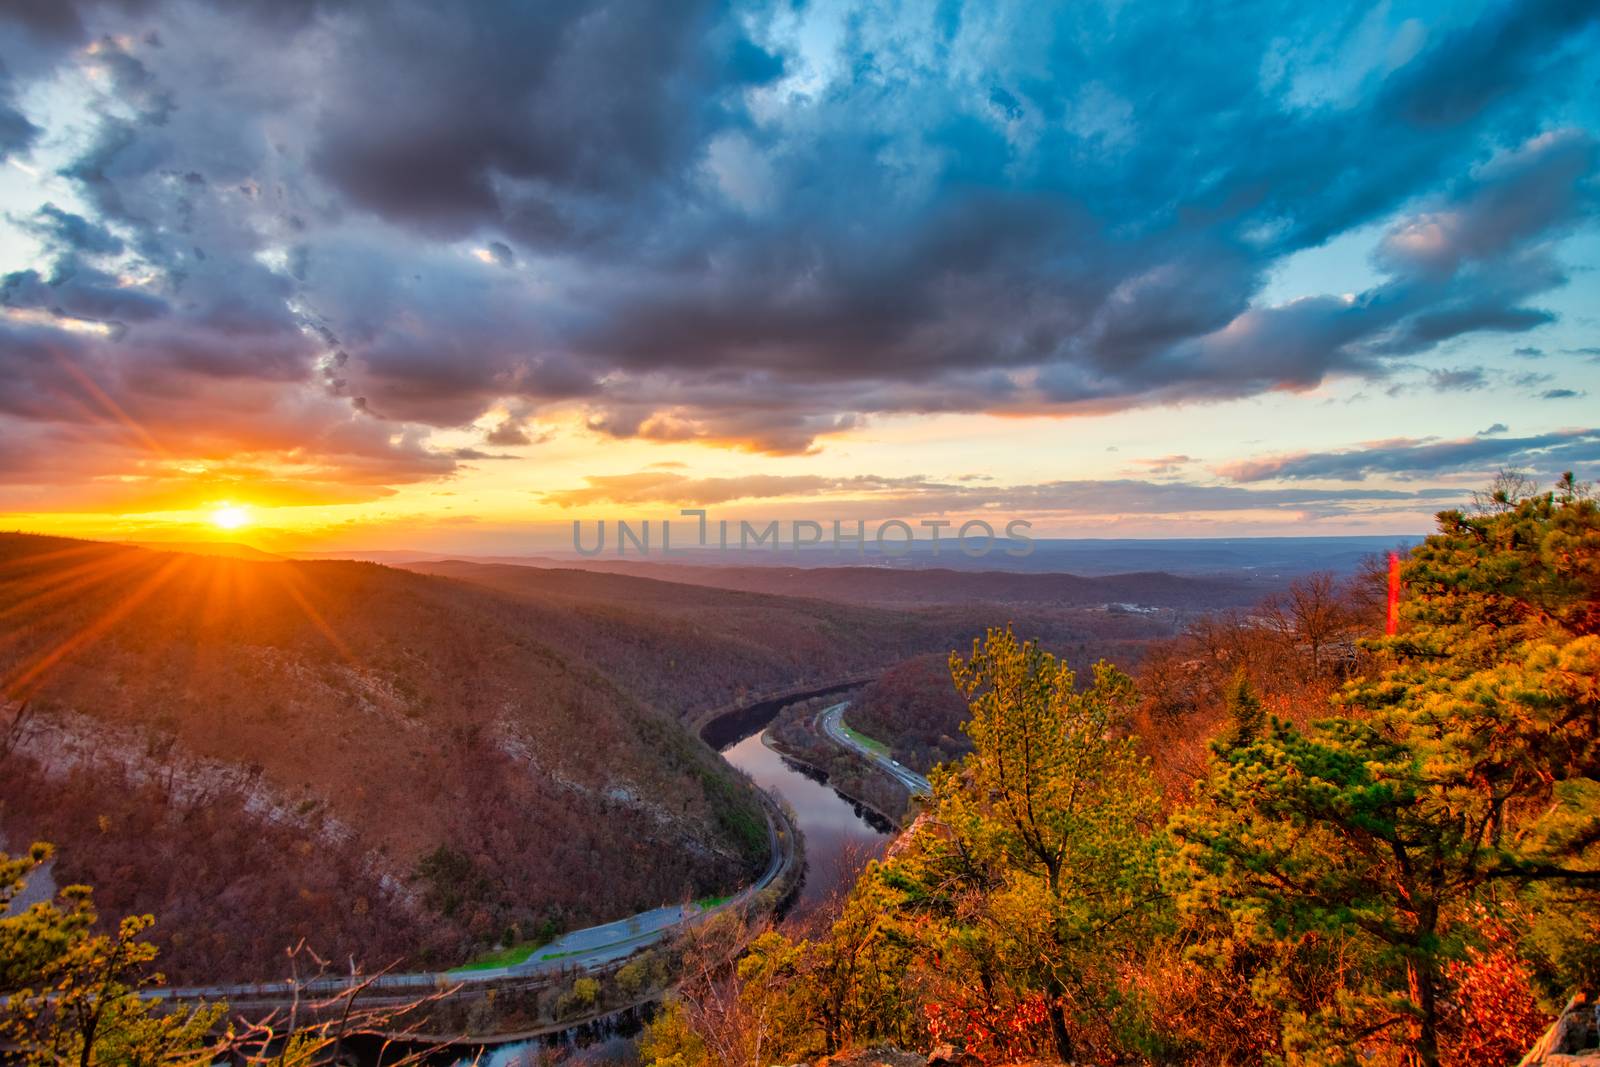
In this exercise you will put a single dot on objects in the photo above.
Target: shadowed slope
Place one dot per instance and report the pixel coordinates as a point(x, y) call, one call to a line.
point(385, 742)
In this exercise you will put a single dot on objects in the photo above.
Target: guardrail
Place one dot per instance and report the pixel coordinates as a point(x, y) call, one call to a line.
point(377, 989)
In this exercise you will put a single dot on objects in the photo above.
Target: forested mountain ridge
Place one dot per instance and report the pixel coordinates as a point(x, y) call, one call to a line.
point(690, 647)
point(914, 710)
point(390, 765)
point(883, 585)
point(317, 740)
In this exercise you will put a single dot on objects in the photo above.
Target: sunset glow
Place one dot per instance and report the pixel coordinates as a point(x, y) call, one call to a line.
point(1027, 272)
point(230, 517)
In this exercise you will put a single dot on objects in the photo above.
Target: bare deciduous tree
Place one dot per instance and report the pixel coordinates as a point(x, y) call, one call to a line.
point(1502, 494)
point(1315, 612)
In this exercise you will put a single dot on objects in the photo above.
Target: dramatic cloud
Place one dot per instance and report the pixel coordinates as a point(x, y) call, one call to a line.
point(315, 233)
point(16, 132)
point(1546, 453)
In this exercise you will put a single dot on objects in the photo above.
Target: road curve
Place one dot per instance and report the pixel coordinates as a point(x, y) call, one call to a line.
point(583, 950)
point(832, 719)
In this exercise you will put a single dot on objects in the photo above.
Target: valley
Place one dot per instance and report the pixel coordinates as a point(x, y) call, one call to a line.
point(410, 768)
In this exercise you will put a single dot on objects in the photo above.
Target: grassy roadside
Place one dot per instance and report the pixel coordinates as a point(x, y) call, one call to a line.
point(504, 957)
point(871, 743)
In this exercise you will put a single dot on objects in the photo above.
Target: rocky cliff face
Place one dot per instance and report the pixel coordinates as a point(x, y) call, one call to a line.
point(1573, 1040)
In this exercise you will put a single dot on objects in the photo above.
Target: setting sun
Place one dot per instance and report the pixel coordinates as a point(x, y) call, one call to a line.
point(1002, 532)
point(230, 517)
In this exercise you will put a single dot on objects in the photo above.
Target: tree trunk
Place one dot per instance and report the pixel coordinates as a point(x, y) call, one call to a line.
point(86, 1053)
point(1058, 1030)
point(1424, 996)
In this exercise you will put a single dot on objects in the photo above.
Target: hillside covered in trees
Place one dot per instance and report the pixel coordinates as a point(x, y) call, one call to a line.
point(391, 766)
point(914, 710)
point(688, 647)
point(875, 582)
point(1386, 850)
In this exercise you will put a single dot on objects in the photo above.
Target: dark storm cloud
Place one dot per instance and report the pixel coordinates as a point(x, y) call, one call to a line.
point(79, 292)
point(58, 22)
point(679, 219)
point(16, 132)
point(549, 117)
point(1477, 65)
point(1531, 192)
point(1553, 452)
point(63, 387)
point(1020, 277)
point(1466, 263)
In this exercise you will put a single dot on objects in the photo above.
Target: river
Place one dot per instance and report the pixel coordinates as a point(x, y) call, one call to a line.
point(840, 835)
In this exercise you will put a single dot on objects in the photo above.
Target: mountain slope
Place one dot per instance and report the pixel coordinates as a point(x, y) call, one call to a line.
point(690, 647)
point(401, 765)
point(358, 740)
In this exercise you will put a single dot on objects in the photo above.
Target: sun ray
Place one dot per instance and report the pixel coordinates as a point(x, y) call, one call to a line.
point(287, 577)
point(69, 584)
point(107, 404)
point(28, 681)
point(74, 548)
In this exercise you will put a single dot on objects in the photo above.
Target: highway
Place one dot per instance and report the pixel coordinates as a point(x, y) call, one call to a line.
point(589, 949)
point(832, 720)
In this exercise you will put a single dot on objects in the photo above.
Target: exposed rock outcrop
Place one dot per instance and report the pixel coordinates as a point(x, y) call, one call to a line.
point(1572, 1041)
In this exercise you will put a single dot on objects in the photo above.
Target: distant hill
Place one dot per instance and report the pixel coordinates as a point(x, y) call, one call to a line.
point(1263, 561)
point(940, 585)
point(687, 646)
point(226, 549)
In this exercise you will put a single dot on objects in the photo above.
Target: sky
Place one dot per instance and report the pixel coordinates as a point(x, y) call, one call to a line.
point(330, 275)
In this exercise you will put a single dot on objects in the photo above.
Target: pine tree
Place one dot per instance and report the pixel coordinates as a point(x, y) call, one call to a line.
point(1039, 862)
point(71, 995)
point(1470, 762)
point(1246, 716)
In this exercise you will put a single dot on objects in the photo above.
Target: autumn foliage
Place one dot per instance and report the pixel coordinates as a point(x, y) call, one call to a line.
point(1380, 851)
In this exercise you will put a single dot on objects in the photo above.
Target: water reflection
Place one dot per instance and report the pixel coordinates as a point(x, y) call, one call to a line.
point(839, 836)
point(839, 833)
